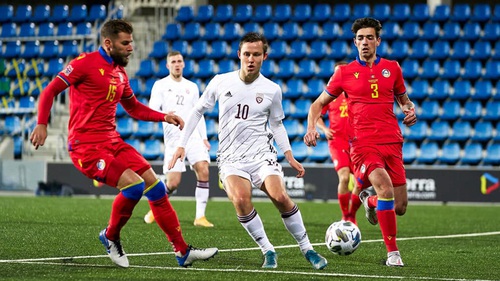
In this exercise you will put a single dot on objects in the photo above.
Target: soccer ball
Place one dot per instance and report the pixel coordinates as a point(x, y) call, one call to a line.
point(343, 238)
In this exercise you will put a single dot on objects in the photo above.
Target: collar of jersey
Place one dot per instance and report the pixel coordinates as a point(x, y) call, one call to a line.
point(363, 63)
point(105, 55)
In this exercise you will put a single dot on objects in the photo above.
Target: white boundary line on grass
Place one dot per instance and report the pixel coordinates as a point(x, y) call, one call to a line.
point(67, 261)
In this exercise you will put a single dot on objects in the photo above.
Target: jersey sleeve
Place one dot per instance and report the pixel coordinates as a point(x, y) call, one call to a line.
point(276, 112)
point(334, 86)
point(155, 100)
point(75, 71)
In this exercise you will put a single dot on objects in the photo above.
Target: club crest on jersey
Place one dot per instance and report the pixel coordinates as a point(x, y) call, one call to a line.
point(101, 165)
point(386, 73)
point(356, 74)
point(363, 168)
point(68, 70)
point(259, 97)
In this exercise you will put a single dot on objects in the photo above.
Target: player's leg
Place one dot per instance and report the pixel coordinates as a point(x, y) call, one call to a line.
point(343, 193)
point(201, 193)
point(355, 201)
point(400, 199)
point(167, 220)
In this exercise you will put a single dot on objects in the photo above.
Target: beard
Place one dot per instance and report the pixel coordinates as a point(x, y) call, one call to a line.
point(119, 60)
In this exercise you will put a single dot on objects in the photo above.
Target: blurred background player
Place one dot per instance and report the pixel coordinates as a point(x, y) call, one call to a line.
point(97, 82)
point(250, 120)
point(176, 94)
point(371, 84)
point(338, 134)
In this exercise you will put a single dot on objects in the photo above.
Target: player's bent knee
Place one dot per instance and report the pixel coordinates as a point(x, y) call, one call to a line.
point(133, 191)
point(400, 210)
point(156, 191)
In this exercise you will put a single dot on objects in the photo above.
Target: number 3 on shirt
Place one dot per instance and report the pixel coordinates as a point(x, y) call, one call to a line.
point(374, 88)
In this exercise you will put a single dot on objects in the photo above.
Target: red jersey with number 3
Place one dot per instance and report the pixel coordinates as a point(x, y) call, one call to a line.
point(370, 93)
point(96, 86)
point(338, 117)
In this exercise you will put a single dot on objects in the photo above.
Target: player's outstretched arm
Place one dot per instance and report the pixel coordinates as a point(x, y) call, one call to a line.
point(314, 114)
point(180, 153)
point(173, 119)
point(295, 164)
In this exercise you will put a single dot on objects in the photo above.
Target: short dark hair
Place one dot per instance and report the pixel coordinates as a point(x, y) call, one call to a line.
point(111, 28)
point(366, 23)
point(254, 37)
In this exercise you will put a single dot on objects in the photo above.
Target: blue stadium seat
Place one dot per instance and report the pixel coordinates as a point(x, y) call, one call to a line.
point(9, 30)
point(440, 131)
point(320, 153)
point(360, 10)
point(391, 30)
point(231, 31)
point(41, 13)
point(420, 49)
point(419, 89)
point(428, 153)
point(185, 14)
point(451, 31)
point(180, 46)
point(286, 69)
point(411, 31)
point(441, 89)
point(135, 143)
point(199, 49)
point(294, 88)
point(383, 49)
point(301, 108)
point(382, 12)
point(319, 49)
point(191, 31)
point(12, 50)
point(206, 69)
point(410, 68)
point(471, 31)
point(472, 70)
point(69, 49)
point(214, 113)
point(147, 68)
point(152, 149)
point(243, 13)
point(125, 126)
point(302, 13)
point(496, 134)
point(59, 13)
point(290, 31)
point(271, 30)
point(144, 129)
point(212, 31)
point(307, 69)
point(172, 32)
point(461, 90)
point(214, 145)
point(451, 69)
point(287, 107)
point(293, 128)
point(31, 50)
point(461, 12)
point(162, 69)
point(346, 33)
point(450, 153)
point(268, 68)
point(400, 49)
point(429, 110)
point(211, 128)
point(430, 69)
point(417, 132)
point(21, 88)
point(496, 13)
point(6, 13)
point(278, 49)
point(326, 69)
point(23, 13)
point(300, 150)
point(314, 88)
point(223, 13)
point(78, 13)
point(451, 110)
point(298, 50)
point(12, 125)
point(473, 154)
point(50, 49)
point(492, 111)
point(339, 49)
point(46, 29)
point(35, 69)
point(323, 12)
point(282, 13)
point(37, 89)
point(97, 13)
point(27, 29)
point(492, 68)
point(401, 12)
point(461, 131)
point(251, 27)
point(483, 90)
point(227, 65)
point(491, 31)
point(483, 131)
point(65, 29)
point(205, 13)
point(263, 13)
point(420, 12)
point(481, 13)
point(84, 28)
point(27, 103)
point(217, 50)
point(330, 31)
point(136, 85)
point(409, 152)
point(440, 50)
point(430, 31)
point(492, 154)
point(159, 50)
point(472, 110)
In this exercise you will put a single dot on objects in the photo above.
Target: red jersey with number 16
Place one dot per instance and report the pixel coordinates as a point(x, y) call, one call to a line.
point(370, 94)
point(96, 86)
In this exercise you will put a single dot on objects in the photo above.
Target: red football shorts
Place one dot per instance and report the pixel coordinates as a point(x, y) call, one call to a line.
point(106, 162)
point(339, 150)
point(367, 158)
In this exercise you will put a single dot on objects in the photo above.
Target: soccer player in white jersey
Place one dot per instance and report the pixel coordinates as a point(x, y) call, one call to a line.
point(250, 120)
point(175, 93)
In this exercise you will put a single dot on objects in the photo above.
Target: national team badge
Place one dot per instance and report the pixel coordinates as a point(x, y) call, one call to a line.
point(68, 70)
point(386, 73)
point(363, 168)
point(259, 97)
point(101, 165)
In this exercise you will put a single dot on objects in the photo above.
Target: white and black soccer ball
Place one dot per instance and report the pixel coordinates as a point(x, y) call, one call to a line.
point(343, 238)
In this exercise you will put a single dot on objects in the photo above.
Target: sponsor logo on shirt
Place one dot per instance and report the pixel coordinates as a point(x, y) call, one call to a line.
point(68, 70)
point(101, 71)
point(356, 74)
point(259, 97)
point(386, 73)
point(228, 94)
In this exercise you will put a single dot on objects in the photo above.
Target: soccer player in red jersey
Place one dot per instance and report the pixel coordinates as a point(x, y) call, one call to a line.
point(97, 82)
point(371, 83)
point(338, 134)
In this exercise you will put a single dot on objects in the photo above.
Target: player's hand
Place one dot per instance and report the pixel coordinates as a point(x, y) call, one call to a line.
point(180, 153)
point(298, 167)
point(410, 117)
point(311, 137)
point(173, 119)
point(328, 134)
point(207, 144)
point(39, 135)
